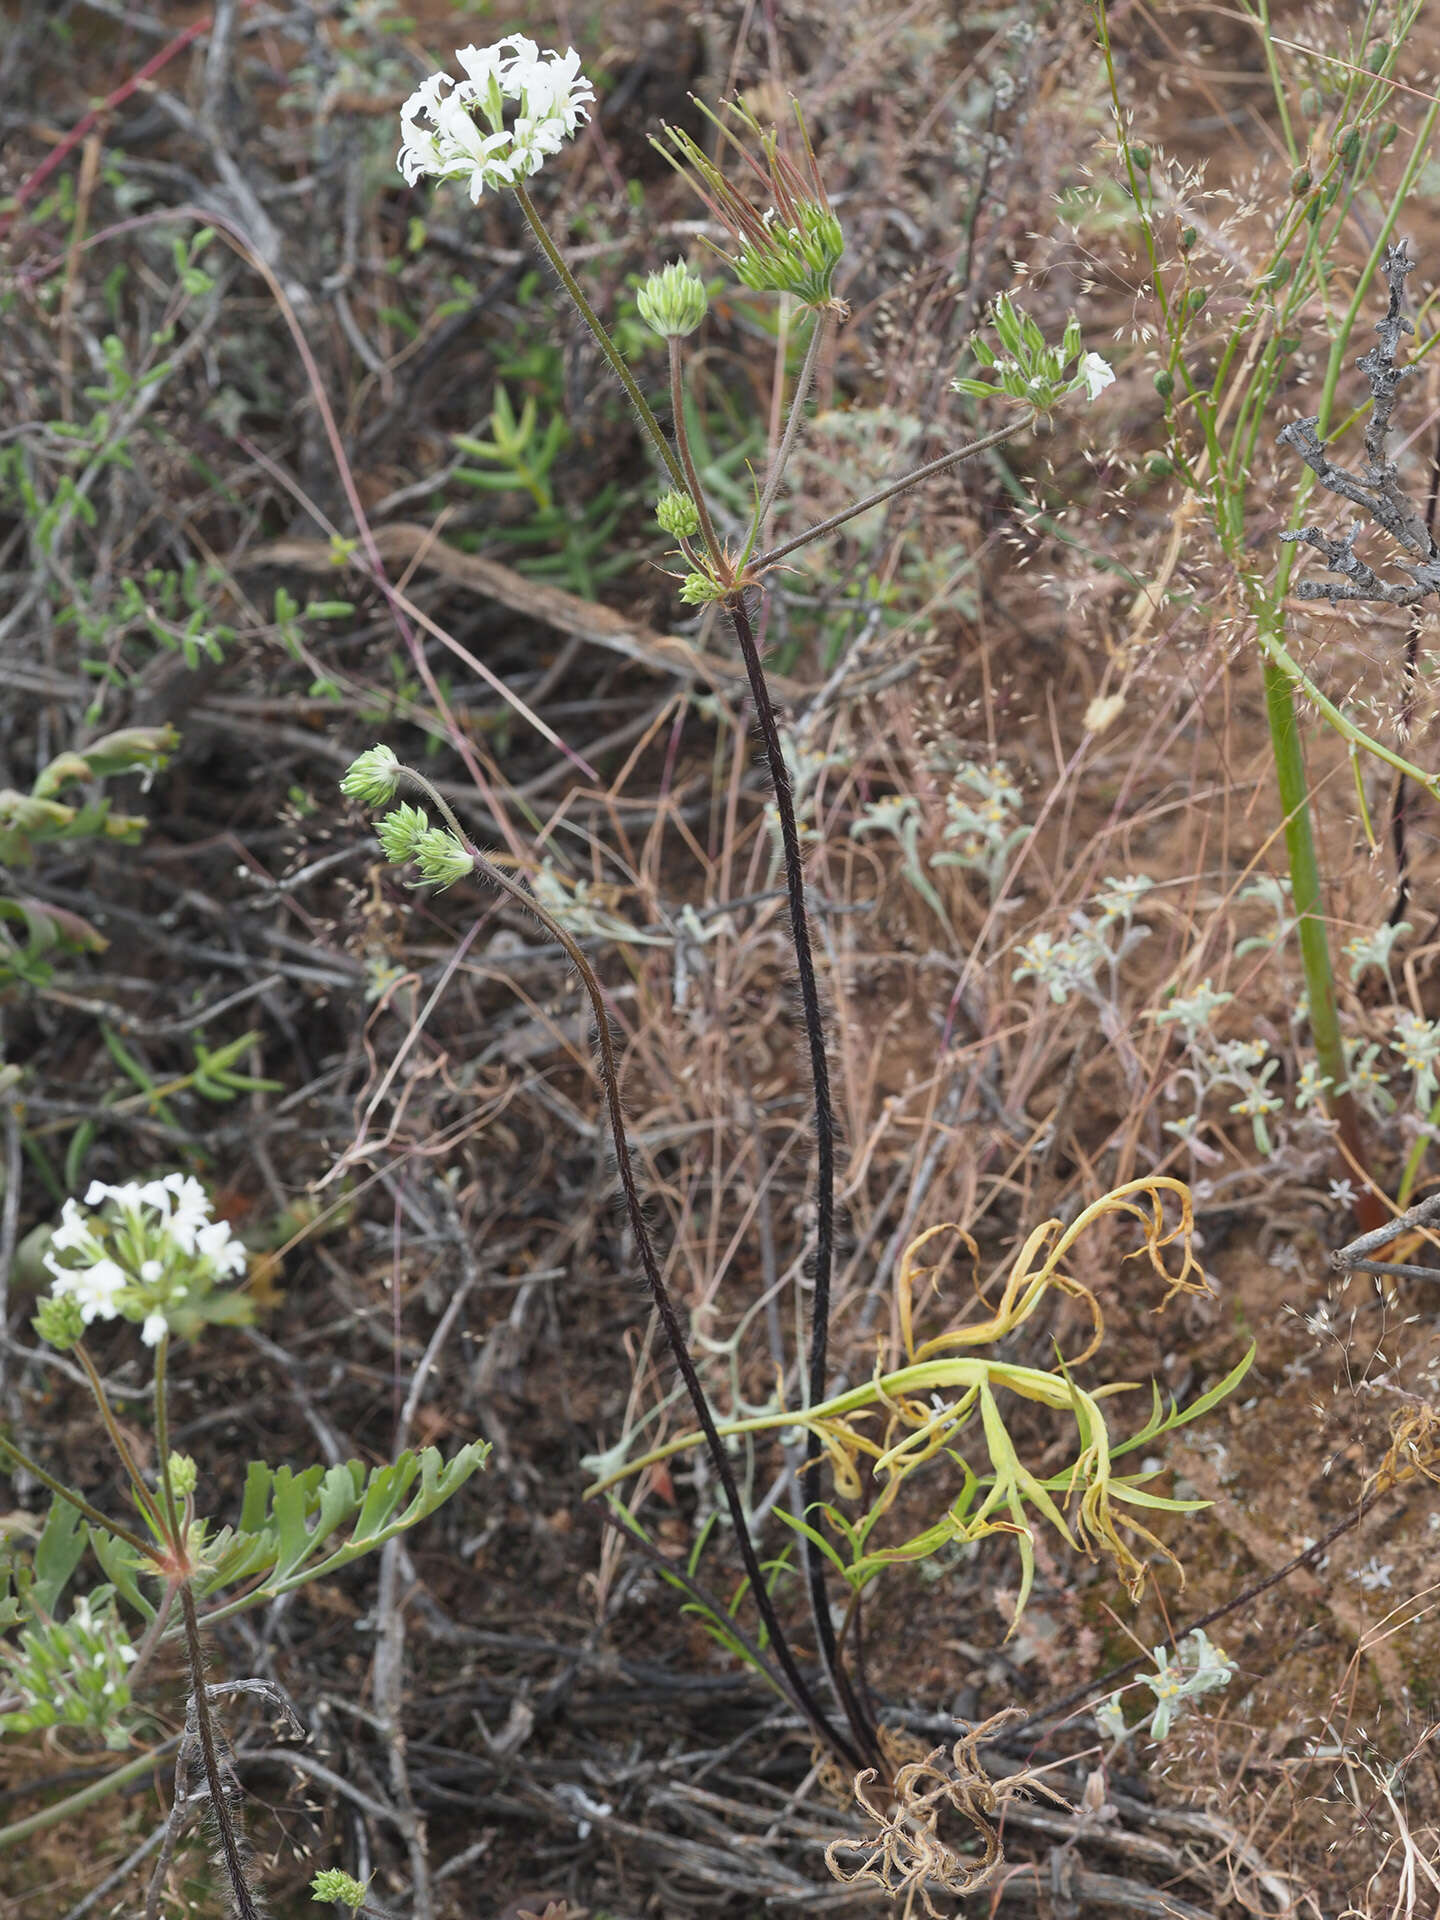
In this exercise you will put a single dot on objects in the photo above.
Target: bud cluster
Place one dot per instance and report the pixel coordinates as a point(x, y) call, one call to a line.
point(1029, 369)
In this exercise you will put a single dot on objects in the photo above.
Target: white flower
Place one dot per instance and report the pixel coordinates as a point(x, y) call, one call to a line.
point(153, 1330)
point(129, 1198)
point(94, 1287)
point(73, 1234)
point(216, 1243)
point(1097, 374)
point(455, 129)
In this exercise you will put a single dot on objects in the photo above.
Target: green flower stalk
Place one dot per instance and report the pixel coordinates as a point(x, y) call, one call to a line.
point(791, 246)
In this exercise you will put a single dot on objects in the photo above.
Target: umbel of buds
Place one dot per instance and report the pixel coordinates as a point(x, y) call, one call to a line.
point(792, 245)
point(678, 515)
point(1029, 369)
point(672, 301)
point(405, 833)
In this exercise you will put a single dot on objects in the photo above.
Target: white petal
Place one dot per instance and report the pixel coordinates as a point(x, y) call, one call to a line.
point(1097, 375)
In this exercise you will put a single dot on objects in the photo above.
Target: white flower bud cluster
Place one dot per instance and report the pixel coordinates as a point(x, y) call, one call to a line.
point(456, 129)
point(155, 1248)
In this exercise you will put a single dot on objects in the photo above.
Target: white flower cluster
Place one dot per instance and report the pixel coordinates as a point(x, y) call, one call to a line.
point(456, 129)
point(157, 1245)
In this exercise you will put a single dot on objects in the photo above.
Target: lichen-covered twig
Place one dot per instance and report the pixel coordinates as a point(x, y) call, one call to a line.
point(1377, 492)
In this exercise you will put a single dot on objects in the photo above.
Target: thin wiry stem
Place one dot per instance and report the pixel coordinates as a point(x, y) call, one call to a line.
point(824, 1151)
point(792, 425)
point(800, 1692)
point(692, 479)
point(882, 494)
point(17, 1456)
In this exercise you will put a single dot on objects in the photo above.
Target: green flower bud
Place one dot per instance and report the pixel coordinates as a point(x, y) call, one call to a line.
point(441, 858)
point(677, 515)
point(1387, 135)
point(332, 1884)
point(1195, 299)
point(1347, 144)
point(672, 302)
point(1164, 383)
point(184, 1474)
point(372, 778)
point(700, 589)
point(1376, 54)
point(1159, 466)
point(800, 260)
point(1301, 182)
point(1278, 274)
point(1187, 239)
point(1141, 157)
point(400, 831)
point(59, 1321)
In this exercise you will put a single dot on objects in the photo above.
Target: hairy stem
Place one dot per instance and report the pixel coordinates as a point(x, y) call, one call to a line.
point(882, 494)
point(800, 1693)
point(230, 1850)
point(792, 425)
point(602, 339)
point(9, 1451)
point(692, 479)
point(824, 1150)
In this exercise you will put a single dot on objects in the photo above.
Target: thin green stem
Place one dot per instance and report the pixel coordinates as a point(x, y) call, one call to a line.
point(1307, 897)
point(162, 1442)
point(144, 1499)
point(719, 565)
point(882, 494)
point(22, 1460)
point(792, 427)
point(602, 339)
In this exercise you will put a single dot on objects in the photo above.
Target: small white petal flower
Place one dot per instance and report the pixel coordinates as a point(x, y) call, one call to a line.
point(73, 1233)
point(94, 1287)
point(192, 1210)
point(151, 1271)
point(1097, 374)
point(216, 1243)
point(129, 1197)
point(455, 130)
point(153, 1331)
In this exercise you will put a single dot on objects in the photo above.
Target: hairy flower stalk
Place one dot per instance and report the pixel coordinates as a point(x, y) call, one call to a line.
point(860, 1719)
point(442, 138)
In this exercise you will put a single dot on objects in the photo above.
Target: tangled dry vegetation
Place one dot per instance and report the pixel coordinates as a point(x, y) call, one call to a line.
point(1008, 695)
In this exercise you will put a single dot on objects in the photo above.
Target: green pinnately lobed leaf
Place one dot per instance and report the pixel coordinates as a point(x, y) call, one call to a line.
point(288, 1519)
